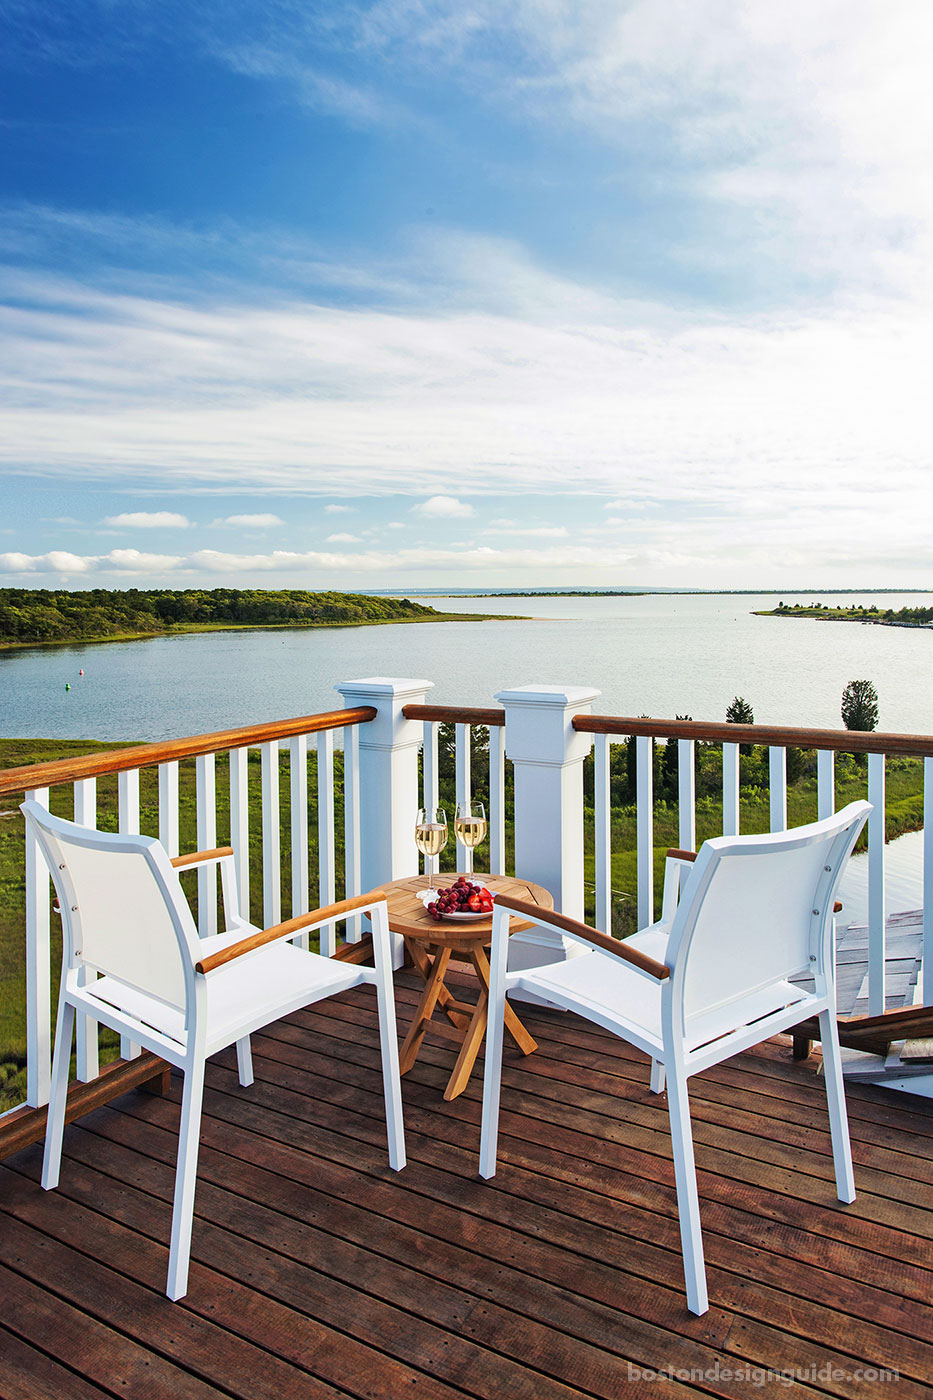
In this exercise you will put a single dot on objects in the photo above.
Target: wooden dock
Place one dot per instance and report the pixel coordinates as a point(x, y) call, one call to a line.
point(317, 1272)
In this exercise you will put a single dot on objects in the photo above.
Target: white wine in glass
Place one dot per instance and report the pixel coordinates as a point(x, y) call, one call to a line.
point(470, 823)
point(430, 835)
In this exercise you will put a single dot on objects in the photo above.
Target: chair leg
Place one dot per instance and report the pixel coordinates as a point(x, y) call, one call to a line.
point(388, 1042)
point(55, 1123)
point(688, 1201)
point(836, 1103)
point(656, 1082)
point(495, 1035)
point(244, 1061)
point(186, 1172)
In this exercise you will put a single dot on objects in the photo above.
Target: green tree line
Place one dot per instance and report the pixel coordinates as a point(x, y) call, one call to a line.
point(52, 615)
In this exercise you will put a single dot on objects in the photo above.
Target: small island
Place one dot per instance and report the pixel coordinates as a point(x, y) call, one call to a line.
point(855, 612)
point(45, 617)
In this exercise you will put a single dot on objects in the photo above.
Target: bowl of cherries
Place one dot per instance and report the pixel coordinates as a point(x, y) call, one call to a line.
point(461, 900)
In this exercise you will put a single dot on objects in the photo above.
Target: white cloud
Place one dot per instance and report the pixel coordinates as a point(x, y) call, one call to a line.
point(58, 561)
point(132, 561)
point(338, 510)
point(148, 520)
point(343, 539)
point(777, 421)
point(443, 508)
point(541, 532)
point(251, 522)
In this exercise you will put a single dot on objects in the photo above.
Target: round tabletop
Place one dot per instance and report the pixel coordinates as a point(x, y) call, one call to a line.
point(409, 917)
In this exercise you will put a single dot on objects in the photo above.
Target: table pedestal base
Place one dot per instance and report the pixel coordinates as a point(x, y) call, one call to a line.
point(465, 1024)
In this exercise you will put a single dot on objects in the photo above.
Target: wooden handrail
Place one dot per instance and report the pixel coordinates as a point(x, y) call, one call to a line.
point(617, 946)
point(454, 714)
point(95, 765)
point(842, 740)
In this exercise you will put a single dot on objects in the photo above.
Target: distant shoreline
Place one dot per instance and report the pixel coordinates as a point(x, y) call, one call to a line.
point(192, 629)
point(56, 618)
point(920, 618)
point(655, 593)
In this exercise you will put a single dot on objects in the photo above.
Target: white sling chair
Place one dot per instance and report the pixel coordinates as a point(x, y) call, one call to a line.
point(754, 911)
point(132, 959)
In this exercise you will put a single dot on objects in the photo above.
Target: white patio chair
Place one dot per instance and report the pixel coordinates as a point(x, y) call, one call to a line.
point(132, 959)
point(753, 912)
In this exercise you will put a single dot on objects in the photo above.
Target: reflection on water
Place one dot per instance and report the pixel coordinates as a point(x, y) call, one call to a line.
point(661, 655)
point(903, 882)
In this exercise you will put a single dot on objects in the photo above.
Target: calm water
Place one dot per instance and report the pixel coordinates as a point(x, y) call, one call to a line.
point(661, 655)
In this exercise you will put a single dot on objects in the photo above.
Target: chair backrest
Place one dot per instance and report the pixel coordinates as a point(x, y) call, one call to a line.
point(123, 911)
point(756, 911)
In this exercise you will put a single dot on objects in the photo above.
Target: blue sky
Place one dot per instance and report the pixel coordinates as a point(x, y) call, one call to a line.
point(412, 293)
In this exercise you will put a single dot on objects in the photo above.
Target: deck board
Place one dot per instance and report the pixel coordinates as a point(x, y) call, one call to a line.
point(318, 1272)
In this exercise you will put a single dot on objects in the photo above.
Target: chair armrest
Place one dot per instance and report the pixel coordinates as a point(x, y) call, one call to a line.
point(583, 931)
point(299, 924)
point(676, 867)
point(201, 857)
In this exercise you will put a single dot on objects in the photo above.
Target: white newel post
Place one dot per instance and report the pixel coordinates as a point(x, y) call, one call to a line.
point(388, 780)
point(547, 755)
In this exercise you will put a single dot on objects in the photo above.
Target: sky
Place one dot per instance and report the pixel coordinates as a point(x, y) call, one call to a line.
point(408, 294)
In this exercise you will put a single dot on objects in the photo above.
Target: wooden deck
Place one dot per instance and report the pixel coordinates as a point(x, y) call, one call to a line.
point(317, 1272)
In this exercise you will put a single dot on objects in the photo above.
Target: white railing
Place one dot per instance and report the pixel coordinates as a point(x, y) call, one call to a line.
point(305, 890)
point(826, 743)
point(541, 735)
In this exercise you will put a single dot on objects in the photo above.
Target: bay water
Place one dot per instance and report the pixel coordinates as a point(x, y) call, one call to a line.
point(656, 654)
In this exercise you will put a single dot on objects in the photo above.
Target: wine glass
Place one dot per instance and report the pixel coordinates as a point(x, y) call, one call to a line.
point(430, 836)
point(470, 823)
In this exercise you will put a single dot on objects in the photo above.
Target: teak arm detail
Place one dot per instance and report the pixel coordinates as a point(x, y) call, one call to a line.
point(674, 854)
point(599, 940)
point(196, 857)
point(287, 929)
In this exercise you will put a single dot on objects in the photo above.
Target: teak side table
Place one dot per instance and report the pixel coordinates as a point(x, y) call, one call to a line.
point(431, 945)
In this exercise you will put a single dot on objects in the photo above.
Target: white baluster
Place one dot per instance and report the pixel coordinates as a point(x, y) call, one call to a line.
point(730, 789)
point(430, 786)
point(298, 807)
point(128, 801)
point(351, 826)
point(876, 903)
point(777, 788)
point(928, 881)
point(271, 846)
point(825, 783)
point(327, 886)
point(497, 799)
point(87, 1056)
point(168, 807)
point(602, 811)
point(686, 795)
point(464, 790)
point(644, 788)
point(239, 824)
point(38, 968)
point(206, 788)
point(128, 804)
